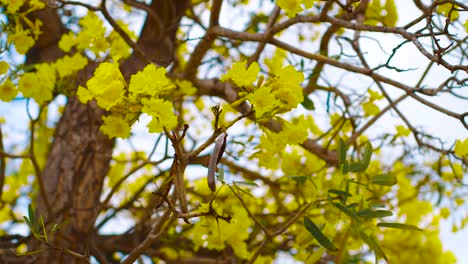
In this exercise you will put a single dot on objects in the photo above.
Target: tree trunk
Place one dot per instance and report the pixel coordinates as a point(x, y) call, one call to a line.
point(80, 154)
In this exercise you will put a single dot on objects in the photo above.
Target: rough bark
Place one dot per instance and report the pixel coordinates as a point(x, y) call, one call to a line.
point(80, 154)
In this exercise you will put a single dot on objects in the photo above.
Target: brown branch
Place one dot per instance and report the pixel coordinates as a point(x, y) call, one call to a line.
point(37, 169)
point(157, 230)
point(141, 54)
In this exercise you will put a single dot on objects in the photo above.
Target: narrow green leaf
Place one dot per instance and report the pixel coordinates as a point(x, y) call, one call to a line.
point(246, 183)
point(345, 169)
point(244, 191)
point(384, 179)
point(319, 236)
point(54, 228)
point(43, 229)
point(374, 245)
point(300, 179)
point(35, 234)
point(368, 213)
point(345, 210)
point(341, 153)
point(27, 222)
point(307, 103)
point(220, 175)
point(377, 205)
point(366, 157)
point(32, 217)
point(339, 192)
point(357, 167)
point(399, 226)
point(357, 183)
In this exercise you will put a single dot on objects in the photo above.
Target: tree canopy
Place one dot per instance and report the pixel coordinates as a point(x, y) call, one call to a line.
point(223, 131)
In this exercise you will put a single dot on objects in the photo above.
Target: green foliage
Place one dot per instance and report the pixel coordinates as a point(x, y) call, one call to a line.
point(321, 238)
point(39, 231)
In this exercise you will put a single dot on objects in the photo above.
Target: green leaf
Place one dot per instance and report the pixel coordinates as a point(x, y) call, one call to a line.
point(376, 205)
point(300, 179)
point(220, 175)
point(246, 183)
point(308, 104)
point(345, 167)
point(345, 210)
point(244, 191)
point(32, 218)
point(319, 236)
point(367, 155)
point(27, 221)
point(384, 179)
point(339, 192)
point(43, 229)
point(399, 226)
point(341, 152)
point(54, 228)
point(356, 167)
point(368, 213)
point(374, 245)
point(343, 163)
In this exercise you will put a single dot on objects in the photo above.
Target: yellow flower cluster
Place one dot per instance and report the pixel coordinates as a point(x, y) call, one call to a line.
point(278, 94)
point(146, 92)
point(292, 7)
point(93, 37)
point(106, 86)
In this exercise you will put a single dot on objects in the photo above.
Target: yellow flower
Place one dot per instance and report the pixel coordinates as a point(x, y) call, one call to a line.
point(275, 64)
point(115, 127)
point(263, 101)
point(68, 65)
point(7, 91)
point(402, 131)
point(36, 5)
point(150, 81)
point(445, 212)
point(27, 84)
point(67, 41)
point(461, 148)
point(240, 75)
point(3, 67)
point(13, 5)
point(292, 7)
point(37, 85)
point(119, 49)
point(186, 87)
point(23, 42)
point(287, 87)
point(106, 86)
point(84, 95)
point(162, 113)
point(295, 132)
point(370, 108)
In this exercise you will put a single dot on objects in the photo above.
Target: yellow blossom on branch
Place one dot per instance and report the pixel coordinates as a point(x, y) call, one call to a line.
point(106, 86)
point(8, 91)
point(162, 113)
point(115, 127)
point(241, 75)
